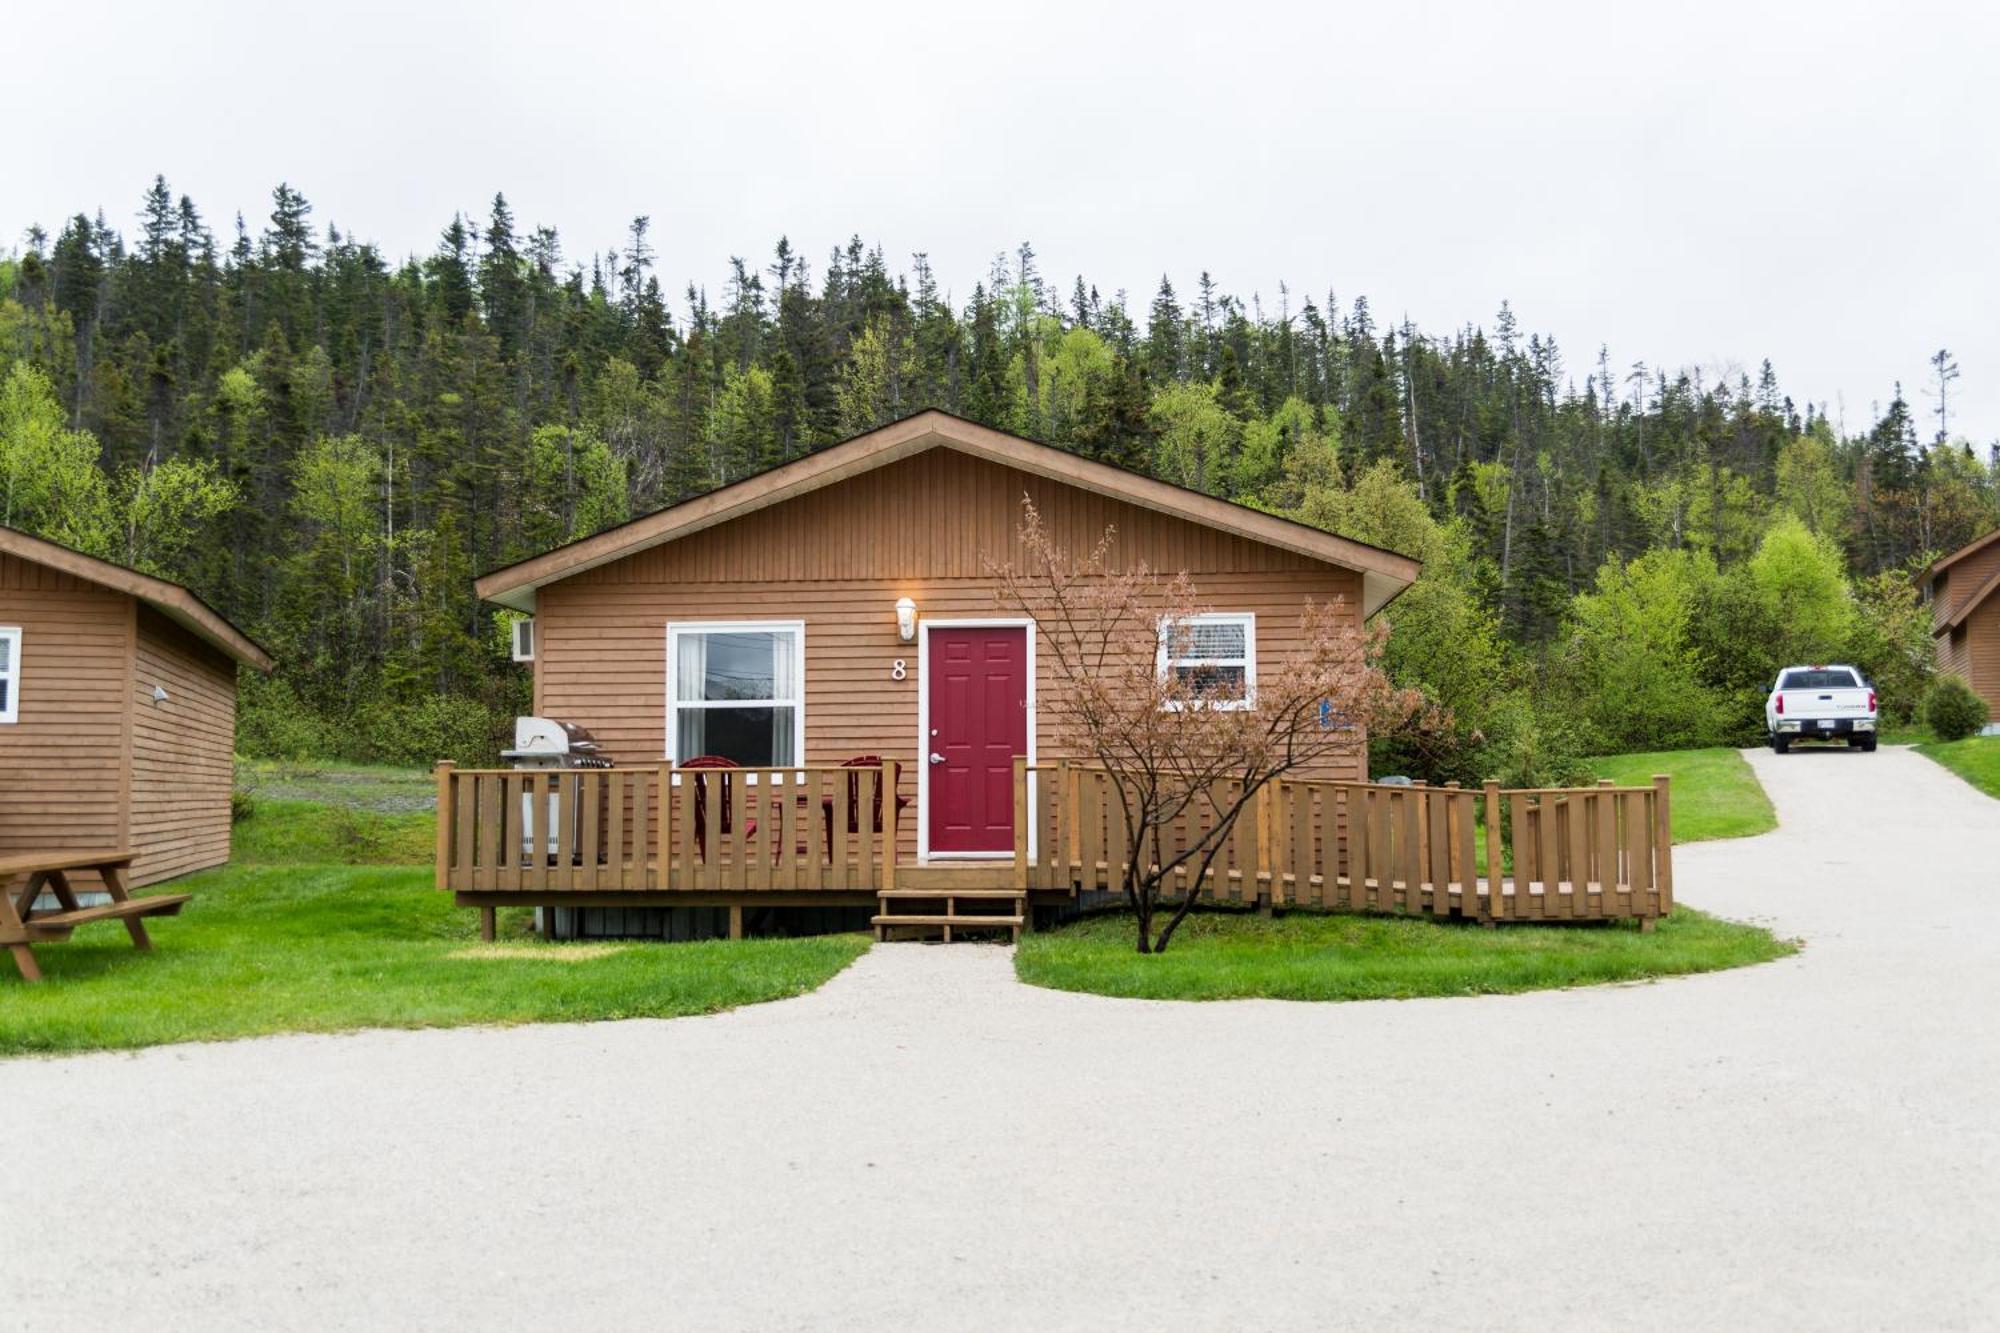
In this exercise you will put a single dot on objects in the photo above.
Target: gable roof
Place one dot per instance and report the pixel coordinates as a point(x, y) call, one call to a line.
point(1968, 606)
point(169, 599)
point(1973, 547)
point(1384, 573)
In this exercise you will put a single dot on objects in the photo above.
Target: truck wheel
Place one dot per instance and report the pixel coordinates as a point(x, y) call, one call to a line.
point(1782, 744)
point(1868, 745)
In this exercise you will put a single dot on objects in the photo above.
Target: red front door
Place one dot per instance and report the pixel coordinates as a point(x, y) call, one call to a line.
point(978, 722)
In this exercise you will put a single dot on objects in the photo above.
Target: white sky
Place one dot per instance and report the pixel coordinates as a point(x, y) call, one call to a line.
point(1695, 184)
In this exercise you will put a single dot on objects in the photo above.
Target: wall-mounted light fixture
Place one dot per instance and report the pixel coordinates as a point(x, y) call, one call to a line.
point(906, 619)
point(159, 694)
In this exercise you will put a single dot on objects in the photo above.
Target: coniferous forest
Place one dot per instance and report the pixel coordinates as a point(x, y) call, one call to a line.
point(328, 444)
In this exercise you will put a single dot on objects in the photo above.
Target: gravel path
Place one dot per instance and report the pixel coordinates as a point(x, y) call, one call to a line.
point(924, 1143)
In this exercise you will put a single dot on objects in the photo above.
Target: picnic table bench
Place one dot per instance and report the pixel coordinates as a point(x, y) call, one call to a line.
point(21, 927)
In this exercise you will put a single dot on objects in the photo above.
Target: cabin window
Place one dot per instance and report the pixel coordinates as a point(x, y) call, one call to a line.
point(524, 639)
point(735, 690)
point(1215, 655)
point(10, 673)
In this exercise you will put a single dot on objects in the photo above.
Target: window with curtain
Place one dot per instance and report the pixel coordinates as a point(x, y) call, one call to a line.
point(10, 673)
point(1215, 654)
point(736, 691)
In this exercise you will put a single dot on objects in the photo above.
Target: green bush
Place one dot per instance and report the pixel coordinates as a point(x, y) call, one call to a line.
point(1526, 746)
point(435, 727)
point(1953, 710)
point(273, 722)
point(242, 805)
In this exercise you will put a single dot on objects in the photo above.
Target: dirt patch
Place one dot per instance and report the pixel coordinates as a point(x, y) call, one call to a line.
point(537, 953)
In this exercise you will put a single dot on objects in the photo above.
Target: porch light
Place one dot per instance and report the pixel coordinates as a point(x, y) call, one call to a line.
point(906, 619)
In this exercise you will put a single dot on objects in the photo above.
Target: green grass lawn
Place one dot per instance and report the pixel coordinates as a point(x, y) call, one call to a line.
point(1976, 759)
point(318, 946)
point(1714, 793)
point(1305, 956)
point(303, 833)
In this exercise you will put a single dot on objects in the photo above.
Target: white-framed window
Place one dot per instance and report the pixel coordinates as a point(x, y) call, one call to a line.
point(736, 689)
point(524, 639)
point(10, 673)
point(1216, 654)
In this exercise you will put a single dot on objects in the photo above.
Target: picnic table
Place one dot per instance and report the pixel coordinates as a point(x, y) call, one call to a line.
point(21, 927)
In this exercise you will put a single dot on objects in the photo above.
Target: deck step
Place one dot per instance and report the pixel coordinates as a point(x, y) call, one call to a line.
point(891, 913)
point(944, 920)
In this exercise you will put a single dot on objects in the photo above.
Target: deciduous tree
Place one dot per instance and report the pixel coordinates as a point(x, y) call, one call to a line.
point(1168, 746)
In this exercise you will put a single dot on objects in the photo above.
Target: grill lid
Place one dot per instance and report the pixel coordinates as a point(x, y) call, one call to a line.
point(549, 738)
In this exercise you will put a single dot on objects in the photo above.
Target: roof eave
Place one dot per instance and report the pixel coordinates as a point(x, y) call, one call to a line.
point(171, 600)
point(1972, 547)
point(515, 585)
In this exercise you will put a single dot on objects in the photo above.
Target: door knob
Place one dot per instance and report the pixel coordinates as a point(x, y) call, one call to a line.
point(936, 758)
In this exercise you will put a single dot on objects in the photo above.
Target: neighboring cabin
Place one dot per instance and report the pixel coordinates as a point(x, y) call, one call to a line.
point(117, 711)
point(759, 623)
point(1965, 615)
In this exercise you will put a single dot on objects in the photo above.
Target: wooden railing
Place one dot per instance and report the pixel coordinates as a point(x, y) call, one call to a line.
point(671, 829)
point(1573, 854)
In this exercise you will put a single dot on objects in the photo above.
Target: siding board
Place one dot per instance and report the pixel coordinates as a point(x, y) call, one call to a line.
point(183, 751)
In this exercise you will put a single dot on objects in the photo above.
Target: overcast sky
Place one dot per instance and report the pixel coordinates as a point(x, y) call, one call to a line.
point(1696, 184)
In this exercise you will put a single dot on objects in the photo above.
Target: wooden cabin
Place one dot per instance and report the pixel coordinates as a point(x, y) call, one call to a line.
point(811, 702)
point(117, 711)
point(839, 611)
point(1965, 615)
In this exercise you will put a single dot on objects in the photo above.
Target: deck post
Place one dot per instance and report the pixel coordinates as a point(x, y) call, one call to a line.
point(488, 925)
point(1495, 854)
point(1421, 830)
point(1021, 822)
point(1268, 885)
point(736, 921)
point(444, 811)
point(890, 774)
point(1663, 843)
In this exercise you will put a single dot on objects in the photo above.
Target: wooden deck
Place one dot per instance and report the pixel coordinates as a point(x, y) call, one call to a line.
point(816, 836)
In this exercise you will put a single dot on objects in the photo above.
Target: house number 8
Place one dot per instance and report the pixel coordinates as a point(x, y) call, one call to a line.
point(897, 671)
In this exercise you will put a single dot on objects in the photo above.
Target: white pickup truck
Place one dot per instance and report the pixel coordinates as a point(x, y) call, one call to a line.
point(1820, 703)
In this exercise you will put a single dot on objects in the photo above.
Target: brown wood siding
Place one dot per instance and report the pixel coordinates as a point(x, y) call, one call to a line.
point(1951, 653)
point(183, 751)
point(61, 763)
point(1963, 582)
point(1977, 655)
point(837, 560)
point(940, 514)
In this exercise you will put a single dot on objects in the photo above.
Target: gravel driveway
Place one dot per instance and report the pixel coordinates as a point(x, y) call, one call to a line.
point(924, 1143)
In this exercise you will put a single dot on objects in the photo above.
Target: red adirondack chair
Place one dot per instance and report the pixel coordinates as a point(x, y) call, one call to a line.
point(725, 783)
